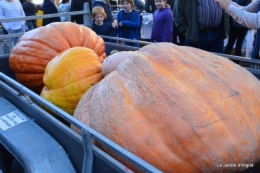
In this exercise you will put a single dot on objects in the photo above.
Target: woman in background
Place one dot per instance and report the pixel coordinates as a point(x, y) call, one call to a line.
point(248, 16)
point(237, 32)
point(48, 7)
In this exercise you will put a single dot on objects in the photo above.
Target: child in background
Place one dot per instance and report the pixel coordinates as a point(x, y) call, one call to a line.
point(110, 18)
point(99, 26)
point(162, 30)
point(128, 22)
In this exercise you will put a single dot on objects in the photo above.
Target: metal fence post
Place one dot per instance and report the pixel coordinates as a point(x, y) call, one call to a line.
point(6, 48)
point(87, 19)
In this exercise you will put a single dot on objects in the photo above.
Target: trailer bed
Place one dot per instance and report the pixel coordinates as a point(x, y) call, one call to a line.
point(77, 151)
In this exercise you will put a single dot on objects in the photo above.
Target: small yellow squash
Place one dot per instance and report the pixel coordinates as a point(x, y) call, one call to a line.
point(69, 75)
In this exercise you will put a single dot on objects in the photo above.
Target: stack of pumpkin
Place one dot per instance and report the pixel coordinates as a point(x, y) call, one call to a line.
point(180, 109)
point(61, 61)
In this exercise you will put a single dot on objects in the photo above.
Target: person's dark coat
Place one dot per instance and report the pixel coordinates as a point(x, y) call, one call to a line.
point(149, 6)
point(5, 32)
point(171, 3)
point(48, 7)
point(139, 4)
point(29, 9)
point(188, 23)
point(241, 3)
point(78, 5)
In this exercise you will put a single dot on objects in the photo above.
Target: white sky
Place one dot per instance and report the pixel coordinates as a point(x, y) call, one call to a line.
point(37, 1)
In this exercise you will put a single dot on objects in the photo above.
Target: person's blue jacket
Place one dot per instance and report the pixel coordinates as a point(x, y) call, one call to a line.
point(162, 25)
point(133, 25)
point(48, 7)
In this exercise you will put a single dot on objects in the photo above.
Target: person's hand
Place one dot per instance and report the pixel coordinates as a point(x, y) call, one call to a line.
point(114, 25)
point(115, 21)
point(223, 3)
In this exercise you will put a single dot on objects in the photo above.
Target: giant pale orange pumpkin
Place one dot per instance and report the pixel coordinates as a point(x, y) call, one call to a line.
point(181, 109)
point(69, 75)
point(37, 47)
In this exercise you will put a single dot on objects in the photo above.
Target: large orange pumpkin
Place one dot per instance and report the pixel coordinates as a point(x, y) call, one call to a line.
point(37, 47)
point(181, 109)
point(69, 75)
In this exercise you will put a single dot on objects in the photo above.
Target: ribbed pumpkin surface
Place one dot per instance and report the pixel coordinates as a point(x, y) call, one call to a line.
point(69, 75)
point(37, 47)
point(181, 109)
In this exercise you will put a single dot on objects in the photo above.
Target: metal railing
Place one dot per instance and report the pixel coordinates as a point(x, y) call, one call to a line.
point(87, 19)
point(254, 64)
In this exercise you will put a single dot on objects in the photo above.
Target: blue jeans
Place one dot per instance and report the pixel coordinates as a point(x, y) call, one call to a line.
point(30, 23)
point(209, 41)
point(15, 39)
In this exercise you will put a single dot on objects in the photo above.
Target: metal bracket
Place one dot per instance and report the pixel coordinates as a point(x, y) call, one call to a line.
point(88, 152)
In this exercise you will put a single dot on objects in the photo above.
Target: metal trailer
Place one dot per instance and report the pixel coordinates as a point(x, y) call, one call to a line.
point(32, 140)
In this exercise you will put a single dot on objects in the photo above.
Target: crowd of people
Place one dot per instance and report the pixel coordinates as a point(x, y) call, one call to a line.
point(203, 24)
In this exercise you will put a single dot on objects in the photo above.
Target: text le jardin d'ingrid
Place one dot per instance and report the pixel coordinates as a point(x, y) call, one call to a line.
point(231, 165)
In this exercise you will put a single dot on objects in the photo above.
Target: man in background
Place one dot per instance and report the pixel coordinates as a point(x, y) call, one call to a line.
point(30, 10)
point(149, 6)
point(78, 5)
point(203, 22)
point(12, 9)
